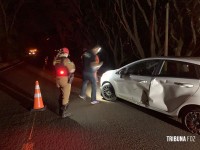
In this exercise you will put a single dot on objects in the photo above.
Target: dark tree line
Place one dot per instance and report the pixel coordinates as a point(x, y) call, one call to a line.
point(8, 34)
point(136, 29)
point(126, 29)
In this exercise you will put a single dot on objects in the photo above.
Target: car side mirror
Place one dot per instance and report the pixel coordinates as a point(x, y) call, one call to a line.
point(123, 73)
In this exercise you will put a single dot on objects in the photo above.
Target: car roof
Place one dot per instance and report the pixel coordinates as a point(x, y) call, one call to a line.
point(194, 60)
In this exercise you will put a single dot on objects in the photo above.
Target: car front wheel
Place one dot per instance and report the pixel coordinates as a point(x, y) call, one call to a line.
point(108, 92)
point(191, 120)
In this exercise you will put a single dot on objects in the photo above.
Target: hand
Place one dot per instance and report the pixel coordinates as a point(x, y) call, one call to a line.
point(101, 63)
point(97, 66)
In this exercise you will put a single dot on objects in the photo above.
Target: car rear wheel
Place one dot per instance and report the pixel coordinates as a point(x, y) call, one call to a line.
point(108, 92)
point(191, 120)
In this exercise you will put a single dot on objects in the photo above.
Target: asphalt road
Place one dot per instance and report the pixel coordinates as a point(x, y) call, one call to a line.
point(106, 126)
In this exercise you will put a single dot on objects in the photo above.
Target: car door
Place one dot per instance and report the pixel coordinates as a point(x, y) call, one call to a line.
point(175, 83)
point(133, 85)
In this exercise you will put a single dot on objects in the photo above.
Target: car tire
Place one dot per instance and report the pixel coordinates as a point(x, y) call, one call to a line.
point(108, 92)
point(191, 120)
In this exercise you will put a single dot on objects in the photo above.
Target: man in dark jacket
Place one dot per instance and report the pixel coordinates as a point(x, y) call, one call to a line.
point(90, 66)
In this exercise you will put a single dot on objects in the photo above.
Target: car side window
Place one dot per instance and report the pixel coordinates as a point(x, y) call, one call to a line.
point(178, 69)
point(144, 68)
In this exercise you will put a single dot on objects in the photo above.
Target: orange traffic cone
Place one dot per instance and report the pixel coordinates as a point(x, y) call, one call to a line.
point(38, 103)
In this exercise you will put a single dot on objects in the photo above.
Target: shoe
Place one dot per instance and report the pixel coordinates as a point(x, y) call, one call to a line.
point(64, 112)
point(82, 97)
point(94, 102)
point(64, 115)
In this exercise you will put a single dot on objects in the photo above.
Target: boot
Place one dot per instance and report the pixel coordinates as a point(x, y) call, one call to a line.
point(64, 111)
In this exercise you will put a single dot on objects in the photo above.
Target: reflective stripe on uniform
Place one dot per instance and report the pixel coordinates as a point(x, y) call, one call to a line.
point(58, 61)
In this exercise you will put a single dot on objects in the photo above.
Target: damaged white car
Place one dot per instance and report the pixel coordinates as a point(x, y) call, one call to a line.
point(167, 85)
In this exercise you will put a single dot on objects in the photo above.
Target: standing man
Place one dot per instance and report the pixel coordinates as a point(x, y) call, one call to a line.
point(64, 75)
point(90, 66)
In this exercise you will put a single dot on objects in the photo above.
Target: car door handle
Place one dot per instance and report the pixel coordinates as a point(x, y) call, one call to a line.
point(142, 81)
point(163, 81)
point(184, 84)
